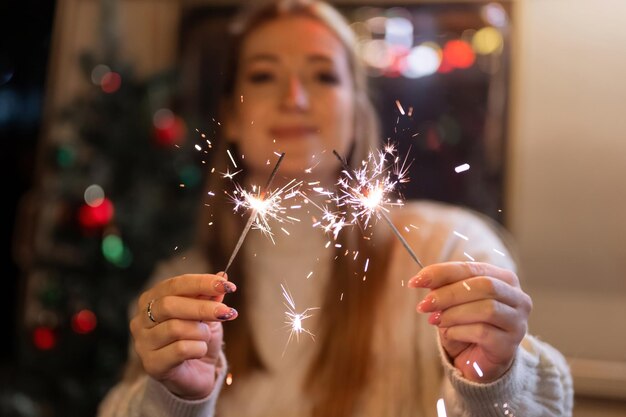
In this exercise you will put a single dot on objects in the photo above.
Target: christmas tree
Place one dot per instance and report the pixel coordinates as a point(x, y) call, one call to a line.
point(118, 182)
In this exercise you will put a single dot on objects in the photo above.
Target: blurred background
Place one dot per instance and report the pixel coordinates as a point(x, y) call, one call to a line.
point(107, 113)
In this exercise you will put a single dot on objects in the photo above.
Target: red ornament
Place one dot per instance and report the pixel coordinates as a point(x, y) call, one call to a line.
point(95, 217)
point(44, 338)
point(84, 321)
point(170, 130)
point(111, 82)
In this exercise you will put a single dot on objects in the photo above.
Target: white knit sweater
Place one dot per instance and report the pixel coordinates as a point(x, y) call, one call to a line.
point(538, 383)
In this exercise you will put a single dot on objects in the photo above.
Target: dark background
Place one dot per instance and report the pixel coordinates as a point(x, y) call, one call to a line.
point(25, 35)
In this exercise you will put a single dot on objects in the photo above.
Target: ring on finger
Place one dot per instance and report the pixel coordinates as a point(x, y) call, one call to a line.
point(149, 311)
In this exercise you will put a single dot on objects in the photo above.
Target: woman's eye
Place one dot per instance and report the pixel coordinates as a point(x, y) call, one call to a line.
point(260, 77)
point(327, 78)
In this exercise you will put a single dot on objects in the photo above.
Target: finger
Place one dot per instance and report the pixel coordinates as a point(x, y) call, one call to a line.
point(494, 341)
point(490, 312)
point(438, 275)
point(474, 289)
point(172, 330)
point(184, 308)
point(190, 285)
point(159, 362)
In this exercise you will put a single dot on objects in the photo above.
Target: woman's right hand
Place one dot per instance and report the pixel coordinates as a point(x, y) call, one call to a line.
point(177, 331)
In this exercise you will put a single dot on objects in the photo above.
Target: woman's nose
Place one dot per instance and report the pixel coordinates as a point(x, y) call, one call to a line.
point(295, 96)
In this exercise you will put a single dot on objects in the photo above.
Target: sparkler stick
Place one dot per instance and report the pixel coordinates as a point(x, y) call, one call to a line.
point(253, 215)
point(383, 215)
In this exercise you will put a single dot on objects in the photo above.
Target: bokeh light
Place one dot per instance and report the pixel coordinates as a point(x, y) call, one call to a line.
point(111, 82)
point(94, 217)
point(44, 338)
point(94, 195)
point(98, 73)
point(487, 40)
point(84, 321)
point(422, 60)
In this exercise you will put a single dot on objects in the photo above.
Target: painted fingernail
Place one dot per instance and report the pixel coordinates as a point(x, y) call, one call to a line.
point(224, 286)
point(225, 313)
point(420, 281)
point(427, 304)
point(435, 318)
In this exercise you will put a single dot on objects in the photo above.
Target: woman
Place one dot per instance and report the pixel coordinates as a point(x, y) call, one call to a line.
point(298, 88)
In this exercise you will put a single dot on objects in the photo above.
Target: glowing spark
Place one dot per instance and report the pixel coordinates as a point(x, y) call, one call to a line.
point(294, 320)
point(400, 107)
point(229, 379)
point(478, 370)
point(231, 158)
point(365, 190)
point(466, 285)
point(309, 276)
point(198, 147)
point(469, 256)
point(228, 174)
point(264, 206)
point(499, 252)
point(261, 208)
point(460, 235)
point(462, 168)
point(441, 408)
point(367, 262)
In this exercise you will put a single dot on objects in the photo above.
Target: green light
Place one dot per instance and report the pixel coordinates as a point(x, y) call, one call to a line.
point(113, 249)
point(65, 156)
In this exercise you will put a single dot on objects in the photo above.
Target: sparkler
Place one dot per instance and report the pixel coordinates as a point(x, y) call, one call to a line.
point(259, 207)
point(369, 195)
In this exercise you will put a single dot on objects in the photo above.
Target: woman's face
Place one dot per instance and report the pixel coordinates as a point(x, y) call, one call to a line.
point(294, 93)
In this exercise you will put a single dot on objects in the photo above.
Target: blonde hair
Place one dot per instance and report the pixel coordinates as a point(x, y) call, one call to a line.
point(339, 372)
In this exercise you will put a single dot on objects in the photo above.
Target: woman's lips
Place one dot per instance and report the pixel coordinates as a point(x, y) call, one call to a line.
point(292, 132)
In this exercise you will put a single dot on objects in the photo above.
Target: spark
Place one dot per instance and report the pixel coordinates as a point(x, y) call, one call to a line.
point(400, 108)
point(499, 252)
point(365, 191)
point(231, 158)
point(466, 285)
point(229, 174)
point(462, 168)
point(441, 408)
point(294, 320)
point(263, 204)
point(460, 235)
point(470, 257)
point(478, 370)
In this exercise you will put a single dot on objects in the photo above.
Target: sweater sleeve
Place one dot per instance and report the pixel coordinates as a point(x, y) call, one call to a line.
point(538, 384)
point(146, 397)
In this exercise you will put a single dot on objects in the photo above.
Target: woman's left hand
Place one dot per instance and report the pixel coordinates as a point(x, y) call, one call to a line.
point(481, 312)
